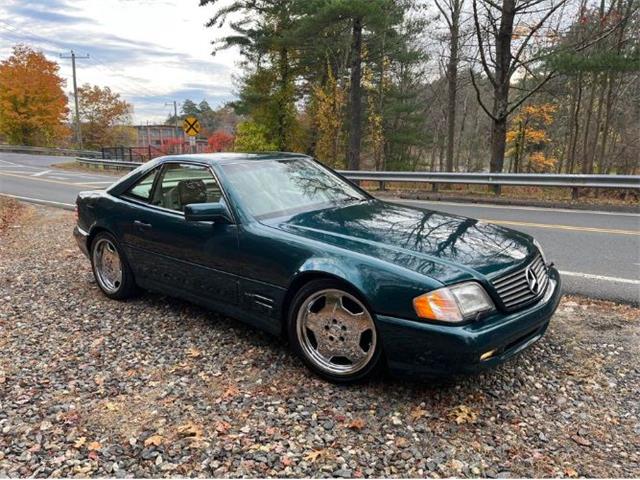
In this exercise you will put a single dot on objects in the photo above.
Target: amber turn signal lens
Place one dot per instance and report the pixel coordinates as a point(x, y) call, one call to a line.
point(438, 305)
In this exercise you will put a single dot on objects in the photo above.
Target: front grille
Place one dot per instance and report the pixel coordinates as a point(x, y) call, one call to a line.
point(513, 288)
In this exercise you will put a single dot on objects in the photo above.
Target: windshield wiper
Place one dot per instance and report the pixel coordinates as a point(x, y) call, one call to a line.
point(352, 199)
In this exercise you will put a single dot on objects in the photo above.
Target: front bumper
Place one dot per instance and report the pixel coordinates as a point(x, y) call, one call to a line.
point(421, 349)
point(82, 239)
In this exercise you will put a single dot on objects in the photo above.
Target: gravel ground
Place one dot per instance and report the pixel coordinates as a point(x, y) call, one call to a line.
point(158, 387)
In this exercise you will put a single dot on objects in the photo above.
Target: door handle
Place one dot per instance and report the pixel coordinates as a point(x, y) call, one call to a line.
point(140, 224)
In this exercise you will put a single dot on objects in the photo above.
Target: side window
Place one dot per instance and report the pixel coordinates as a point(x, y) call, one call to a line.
point(182, 184)
point(142, 189)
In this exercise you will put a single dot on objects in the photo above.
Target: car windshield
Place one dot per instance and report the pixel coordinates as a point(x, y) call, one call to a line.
point(271, 188)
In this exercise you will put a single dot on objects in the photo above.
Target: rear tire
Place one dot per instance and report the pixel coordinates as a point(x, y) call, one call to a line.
point(110, 268)
point(333, 331)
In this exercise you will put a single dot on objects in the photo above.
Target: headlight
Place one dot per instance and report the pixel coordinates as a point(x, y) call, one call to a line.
point(453, 304)
point(536, 243)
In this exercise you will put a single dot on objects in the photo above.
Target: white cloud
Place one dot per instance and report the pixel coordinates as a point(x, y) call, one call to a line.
point(151, 52)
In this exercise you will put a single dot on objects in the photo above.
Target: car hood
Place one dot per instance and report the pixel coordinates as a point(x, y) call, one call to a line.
point(443, 246)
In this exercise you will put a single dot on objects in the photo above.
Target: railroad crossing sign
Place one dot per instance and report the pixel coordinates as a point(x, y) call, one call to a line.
point(191, 126)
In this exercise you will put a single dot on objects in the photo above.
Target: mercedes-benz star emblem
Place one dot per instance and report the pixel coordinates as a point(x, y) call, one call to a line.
point(532, 281)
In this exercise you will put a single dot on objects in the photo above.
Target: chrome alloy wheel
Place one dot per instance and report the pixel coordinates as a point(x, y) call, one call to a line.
point(108, 265)
point(336, 332)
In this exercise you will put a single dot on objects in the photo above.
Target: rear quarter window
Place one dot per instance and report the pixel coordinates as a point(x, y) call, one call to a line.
point(141, 190)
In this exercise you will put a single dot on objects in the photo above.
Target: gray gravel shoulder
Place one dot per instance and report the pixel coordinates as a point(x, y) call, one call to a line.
point(158, 387)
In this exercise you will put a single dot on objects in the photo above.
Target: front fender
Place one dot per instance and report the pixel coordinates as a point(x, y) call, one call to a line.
point(334, 268)
point(385, 288)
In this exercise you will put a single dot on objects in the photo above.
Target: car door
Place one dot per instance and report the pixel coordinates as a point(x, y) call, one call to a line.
point(191, 259)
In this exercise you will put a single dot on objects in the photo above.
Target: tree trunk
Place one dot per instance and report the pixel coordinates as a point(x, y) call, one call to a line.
point(434, 143)
point(501, 87)
point(452, 81)
point(598, 124)
point(498, 144)
point(283, 110)
point(355, 98)
point(461, 132)
point(575, 125)
point(587, 128)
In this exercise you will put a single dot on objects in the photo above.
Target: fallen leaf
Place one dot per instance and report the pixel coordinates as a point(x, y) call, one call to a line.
point(99, 380)
point(93, 455)
point(417, 413)
point(463, 414)
point(155, 440)
point(314, 455)
point(357, 424)
point(231, 391)
point(111, 406)
point(193, 352)
point(286, 461)
point(80, 442)
point(94, 446)
point(570, 472)
point(190, 430)
point(581, 440)
point(222, 427)
point(401, 442)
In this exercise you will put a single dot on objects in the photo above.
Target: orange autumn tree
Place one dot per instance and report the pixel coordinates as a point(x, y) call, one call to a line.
point(328, 107)
point(527, 139)
point(102, 115)
point(33, 106)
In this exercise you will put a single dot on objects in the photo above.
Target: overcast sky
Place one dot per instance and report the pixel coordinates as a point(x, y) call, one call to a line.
point(149, 51)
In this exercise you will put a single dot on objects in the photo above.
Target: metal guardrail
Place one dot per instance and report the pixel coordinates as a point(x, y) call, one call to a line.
point(68, 152)
point(518, 179)
point(631, 182)
point(108, 163)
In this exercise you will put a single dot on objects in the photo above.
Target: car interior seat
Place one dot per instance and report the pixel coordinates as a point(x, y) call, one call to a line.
point(191, 191)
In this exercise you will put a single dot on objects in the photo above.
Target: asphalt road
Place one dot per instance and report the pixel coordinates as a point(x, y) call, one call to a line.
point(598, 253)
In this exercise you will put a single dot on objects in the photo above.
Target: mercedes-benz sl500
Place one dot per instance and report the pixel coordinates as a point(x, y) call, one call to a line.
point(290, 246)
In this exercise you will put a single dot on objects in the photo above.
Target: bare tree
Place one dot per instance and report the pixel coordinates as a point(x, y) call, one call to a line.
point(451, 10)
point(494, 27)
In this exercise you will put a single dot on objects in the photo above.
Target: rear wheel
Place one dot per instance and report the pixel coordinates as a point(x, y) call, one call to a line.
point(333, 332)
point(110, 269)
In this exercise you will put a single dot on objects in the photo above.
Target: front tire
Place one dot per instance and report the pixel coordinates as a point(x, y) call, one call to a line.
point(110, 268)
point(333, 332)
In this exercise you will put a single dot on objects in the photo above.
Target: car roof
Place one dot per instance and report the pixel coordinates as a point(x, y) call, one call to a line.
point(228, 157)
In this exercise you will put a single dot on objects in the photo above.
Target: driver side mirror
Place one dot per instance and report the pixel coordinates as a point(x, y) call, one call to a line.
point(207, 212)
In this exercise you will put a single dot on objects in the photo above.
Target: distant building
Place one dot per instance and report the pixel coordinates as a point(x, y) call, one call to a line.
point(157, 135)
point(166, 138)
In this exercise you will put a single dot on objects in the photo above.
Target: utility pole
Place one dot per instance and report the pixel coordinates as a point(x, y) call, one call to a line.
point(175, 118)
point(73, 57)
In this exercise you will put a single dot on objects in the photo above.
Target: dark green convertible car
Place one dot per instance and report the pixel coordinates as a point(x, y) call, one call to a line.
point(291, 247)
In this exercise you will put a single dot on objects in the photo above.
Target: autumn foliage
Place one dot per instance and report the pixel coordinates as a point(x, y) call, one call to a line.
point(528, 139)
point(220, 142)
point(102, 112)
point(329, 105)
point(33, 106)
